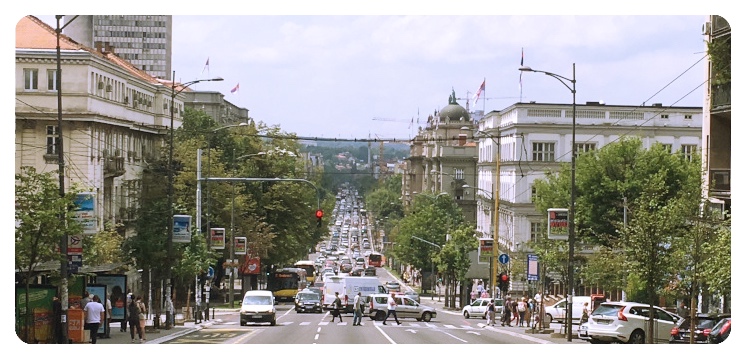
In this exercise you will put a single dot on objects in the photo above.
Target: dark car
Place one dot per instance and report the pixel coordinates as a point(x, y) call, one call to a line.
point(357, 272)
point(370, 271)
point(680, 334)
point(720, 331)
point(307, 301)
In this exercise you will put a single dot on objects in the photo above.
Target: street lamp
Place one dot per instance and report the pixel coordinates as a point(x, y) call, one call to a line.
point(496, 226)
point(432, 268)
point(571, 225)
point(169, 238)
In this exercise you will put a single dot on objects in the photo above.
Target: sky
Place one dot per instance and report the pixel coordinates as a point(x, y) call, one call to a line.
point(332, 75)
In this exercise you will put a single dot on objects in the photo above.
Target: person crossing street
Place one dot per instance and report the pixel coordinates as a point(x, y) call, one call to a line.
point(357, 309)
point(391, 306)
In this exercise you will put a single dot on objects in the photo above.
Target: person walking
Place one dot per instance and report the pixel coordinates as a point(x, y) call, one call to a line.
point(129, 299)
point(94, 311)
point(86, 298)
point(357, 309)
point(107, 330)
point(335, 307)
point(586, 313)
point(391, 306)
point(491, 313)
point(141, 315)
point(133, 317)
point(507, 307)
point(514, 310)
point(682, 310)
point(521, 306)
point(480, 289)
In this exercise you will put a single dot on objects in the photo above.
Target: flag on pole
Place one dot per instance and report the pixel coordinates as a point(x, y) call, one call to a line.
point(234, 89)
point(207, 66)
point(520, 76)
point(479, 92)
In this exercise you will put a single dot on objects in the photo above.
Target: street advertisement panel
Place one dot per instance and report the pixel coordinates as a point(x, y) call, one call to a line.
point(532, 267)
point(240, 245)
point(100, 291)
point(39, 327)
point(485, 250)
point(557, 221)
point(182, 228)
point(85, 212)
point(217, 238)
point(251, 265)
point(116, 291)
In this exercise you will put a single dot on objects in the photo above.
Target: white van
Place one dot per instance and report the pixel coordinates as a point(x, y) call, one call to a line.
point(348, 287)
point(258, 306)
point(556, 311)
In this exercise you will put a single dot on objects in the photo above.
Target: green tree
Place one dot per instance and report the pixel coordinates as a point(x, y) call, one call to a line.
point(43, 218)
point(104, 246)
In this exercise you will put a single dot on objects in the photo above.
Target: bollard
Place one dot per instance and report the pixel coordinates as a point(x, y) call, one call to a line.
point(207, 313)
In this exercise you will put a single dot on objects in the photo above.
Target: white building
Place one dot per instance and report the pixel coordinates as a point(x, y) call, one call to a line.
point(536, 138)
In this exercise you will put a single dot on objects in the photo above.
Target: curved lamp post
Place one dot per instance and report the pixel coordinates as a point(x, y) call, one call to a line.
point(571, 225)
point(170, 234)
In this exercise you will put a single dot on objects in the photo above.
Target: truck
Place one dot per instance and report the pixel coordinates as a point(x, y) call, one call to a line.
point(348, 287)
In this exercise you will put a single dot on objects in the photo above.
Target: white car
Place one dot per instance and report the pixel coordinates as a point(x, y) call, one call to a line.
point(627, 322)
point(478, 308)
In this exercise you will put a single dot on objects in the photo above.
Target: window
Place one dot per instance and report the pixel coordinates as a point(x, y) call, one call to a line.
point(536, 229)
point(52, 80)
point(688, 151)
point(52, 140)
point(664, 116)
point(533, 194)
point(458, 173)
point(687, 117)
point(31, 79)
point(667, 147)
point(543, 151)
point(584, 147)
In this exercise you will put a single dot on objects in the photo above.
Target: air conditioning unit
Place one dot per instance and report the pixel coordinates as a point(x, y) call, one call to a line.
point(707, 28)
point(108, 88)
point(100, 85)
point(126, 99)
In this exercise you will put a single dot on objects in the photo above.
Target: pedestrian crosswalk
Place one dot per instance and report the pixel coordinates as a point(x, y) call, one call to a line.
point(404, 324)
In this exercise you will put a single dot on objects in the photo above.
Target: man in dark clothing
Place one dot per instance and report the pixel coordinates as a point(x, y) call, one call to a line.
point(335, 307)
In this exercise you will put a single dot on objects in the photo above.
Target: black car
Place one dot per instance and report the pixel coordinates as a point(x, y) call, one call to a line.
point(357, 272)
point(307, 301)
point(370, 271)
point(680, 334)
point(720, 331)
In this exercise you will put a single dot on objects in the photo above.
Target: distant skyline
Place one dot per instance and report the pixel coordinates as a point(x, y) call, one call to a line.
point(330, 76)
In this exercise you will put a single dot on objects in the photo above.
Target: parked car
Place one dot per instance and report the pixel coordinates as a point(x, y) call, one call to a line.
point(557, 311)
point(682, 332)
point(720, 331)
point(627, 322)
point(377, 308)
point(478, 308)
point(393, 286)
point(307, 301)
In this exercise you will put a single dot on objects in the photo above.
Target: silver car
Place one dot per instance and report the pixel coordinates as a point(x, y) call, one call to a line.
point(377, 308)
point(478, 308)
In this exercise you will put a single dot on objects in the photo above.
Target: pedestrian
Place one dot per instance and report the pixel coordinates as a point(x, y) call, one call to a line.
point(86, 298)
point(142, 314)
point(491, 313)
point(94, 311)
point(107, 330)
point(586, 313)
point(335, 307)
point(357, 309)
point(521, 306)
point(514, 310)
point(507, 307)
point(391, 306)
point(484, 294)
point(123, 327)
point(480, 289)
point(473, 295)
point(682, 311)
point(133, 317)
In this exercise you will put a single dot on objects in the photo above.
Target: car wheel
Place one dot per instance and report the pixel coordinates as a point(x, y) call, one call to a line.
point(380, 316)
point(637, 337)
point(272, 323)
point(466, 315)
point(549, 318)
point(427, 316)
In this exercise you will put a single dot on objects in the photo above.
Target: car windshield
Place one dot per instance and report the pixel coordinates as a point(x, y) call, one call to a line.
point(610, 310)
point(308, 296)
point(257, 300)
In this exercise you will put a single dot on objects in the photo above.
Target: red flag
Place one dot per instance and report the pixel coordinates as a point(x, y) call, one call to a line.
point(234, 89)
point(479, 91)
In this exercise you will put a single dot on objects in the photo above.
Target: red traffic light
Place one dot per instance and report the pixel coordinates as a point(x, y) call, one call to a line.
point(504, 278)
point(319, 213)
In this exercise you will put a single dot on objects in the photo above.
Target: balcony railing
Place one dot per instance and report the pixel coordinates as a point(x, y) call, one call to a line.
point(721, 96)
point(113, 166)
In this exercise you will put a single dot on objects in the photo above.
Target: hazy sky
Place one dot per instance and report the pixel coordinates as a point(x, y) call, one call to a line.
point(330, 75)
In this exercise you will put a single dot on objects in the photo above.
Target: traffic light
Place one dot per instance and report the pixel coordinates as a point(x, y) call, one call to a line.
point(504, 281)
point(319, 215)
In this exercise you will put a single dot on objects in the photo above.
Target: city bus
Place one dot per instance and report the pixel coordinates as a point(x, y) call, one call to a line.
point(375, 259)
point(286, 282)
point(310, 268)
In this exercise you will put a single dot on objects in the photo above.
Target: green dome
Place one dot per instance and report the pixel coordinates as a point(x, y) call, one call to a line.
point(453, 110)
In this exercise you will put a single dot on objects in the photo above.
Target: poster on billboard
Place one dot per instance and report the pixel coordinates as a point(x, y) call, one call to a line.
point(240, 245)
point(485, 250)
point(182, 230)
point(217, 238)
point(100, 291)
point(116, 291)
point(251, 265)
point(85, 211)
point(532, 267)
point(557, 221)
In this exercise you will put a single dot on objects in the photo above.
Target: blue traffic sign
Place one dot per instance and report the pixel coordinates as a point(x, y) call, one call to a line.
point(503, 258)
point(210, 272)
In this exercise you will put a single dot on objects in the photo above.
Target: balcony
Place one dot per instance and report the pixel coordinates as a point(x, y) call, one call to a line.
point(720, 97)
point(113, 166)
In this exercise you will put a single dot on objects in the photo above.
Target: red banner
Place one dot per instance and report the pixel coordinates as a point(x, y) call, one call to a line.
point(251, 265)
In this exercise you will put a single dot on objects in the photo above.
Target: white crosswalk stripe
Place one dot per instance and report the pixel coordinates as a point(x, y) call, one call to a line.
point(449, 326)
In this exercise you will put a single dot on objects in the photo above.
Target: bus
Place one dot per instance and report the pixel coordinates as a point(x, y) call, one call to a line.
point(310, 268)
point(375, 259)
point(286, 282)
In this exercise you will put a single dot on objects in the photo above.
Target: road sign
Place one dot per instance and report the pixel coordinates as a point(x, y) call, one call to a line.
point(503, 258)
point(210, 272)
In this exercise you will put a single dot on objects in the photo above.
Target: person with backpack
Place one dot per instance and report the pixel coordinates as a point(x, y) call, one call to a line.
point(133, 317)
point(521, 306)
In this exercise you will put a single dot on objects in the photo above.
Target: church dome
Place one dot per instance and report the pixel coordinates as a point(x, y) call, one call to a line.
point(453, 111)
